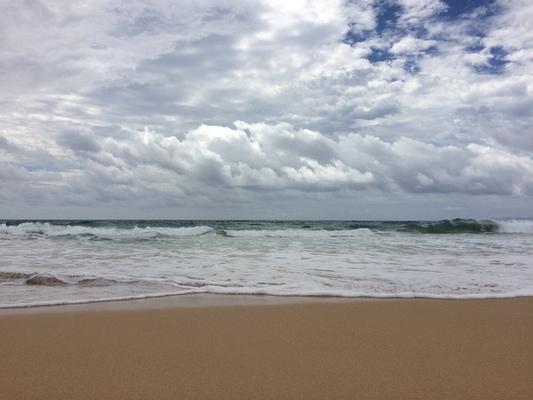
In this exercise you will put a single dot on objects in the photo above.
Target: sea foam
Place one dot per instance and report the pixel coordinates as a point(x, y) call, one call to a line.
point(60, 262)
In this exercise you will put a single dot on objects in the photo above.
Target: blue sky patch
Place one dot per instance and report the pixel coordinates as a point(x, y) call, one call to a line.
point(496, 62)
point(387, 15)
point(459, 8)
point(379, 55)
point(352, 37)
point(474, 48)
point(411, 66)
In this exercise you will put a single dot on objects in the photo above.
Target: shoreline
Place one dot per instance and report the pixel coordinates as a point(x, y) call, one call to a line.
point(308, 348)
point(187, 300)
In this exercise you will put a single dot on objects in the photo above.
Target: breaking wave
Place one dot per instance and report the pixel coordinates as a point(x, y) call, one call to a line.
point(39, 229)
point(150, 230)
point(515, 226)
point(294, 233)
point(471, 226)
point(63, 262)
point(453, 226)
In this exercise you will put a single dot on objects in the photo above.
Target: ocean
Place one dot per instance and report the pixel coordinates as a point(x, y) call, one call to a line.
point(64, 262)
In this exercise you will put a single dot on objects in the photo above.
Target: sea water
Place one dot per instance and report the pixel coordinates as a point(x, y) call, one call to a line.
point(61, 262)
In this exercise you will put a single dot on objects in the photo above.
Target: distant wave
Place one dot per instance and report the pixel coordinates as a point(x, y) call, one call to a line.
point(515, 226)
point(294, 232)
point(457, 225)
point(121, 230)
point(35, 229)
point(471, 226)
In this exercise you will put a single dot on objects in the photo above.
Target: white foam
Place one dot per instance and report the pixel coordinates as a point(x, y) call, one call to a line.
point(250, 292)
point(294, 262)
point(47, 229)
point(295, 233)
point(88, 301)
point(515, 226)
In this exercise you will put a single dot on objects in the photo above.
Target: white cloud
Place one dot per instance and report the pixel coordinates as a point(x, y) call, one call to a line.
point(411, 45)
point(80, 81)
point(280, 157)
point(417, 10)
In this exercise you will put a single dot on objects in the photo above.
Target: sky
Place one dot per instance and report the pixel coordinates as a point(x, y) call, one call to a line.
point(303, 109)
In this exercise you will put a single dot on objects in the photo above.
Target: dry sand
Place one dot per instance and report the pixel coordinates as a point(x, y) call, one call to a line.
point(397, 349)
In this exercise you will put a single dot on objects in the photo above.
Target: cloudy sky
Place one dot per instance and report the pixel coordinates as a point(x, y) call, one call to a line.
point(266, 109)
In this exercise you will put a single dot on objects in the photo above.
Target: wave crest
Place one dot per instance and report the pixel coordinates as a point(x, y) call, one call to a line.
point(457, 225)
point(294, 232)
point(118, 230)
point(515, 226)
point(36, 229)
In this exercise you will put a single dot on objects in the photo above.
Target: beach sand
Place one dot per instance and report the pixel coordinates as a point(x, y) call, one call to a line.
point(389, 349)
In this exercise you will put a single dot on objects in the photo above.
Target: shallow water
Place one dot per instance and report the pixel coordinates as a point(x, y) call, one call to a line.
point(56, 262)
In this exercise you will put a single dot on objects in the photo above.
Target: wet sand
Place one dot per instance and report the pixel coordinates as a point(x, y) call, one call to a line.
point(298, 349)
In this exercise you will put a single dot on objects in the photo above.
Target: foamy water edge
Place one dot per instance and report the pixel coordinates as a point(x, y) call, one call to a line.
point(399, 296)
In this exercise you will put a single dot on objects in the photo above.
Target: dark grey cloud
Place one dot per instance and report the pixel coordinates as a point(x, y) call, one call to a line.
point(78, 142)
point(4, 144)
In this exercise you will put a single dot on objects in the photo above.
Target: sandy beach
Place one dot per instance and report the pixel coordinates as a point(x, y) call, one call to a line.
point(346, 349)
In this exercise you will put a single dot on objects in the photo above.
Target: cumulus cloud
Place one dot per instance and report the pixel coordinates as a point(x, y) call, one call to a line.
point(415, 11)
point(136, 103)
point(78, 142)
point(279, 157)
point(411, 45)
